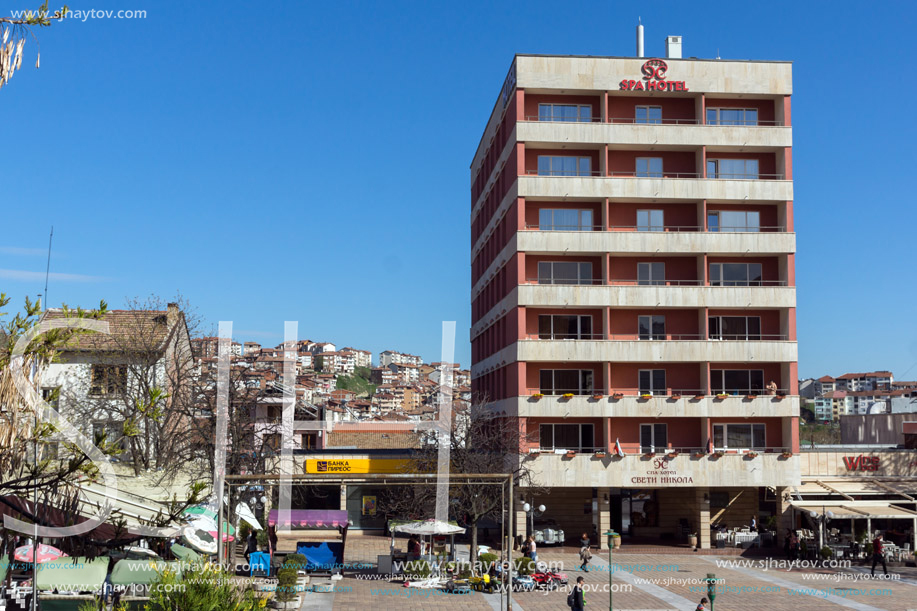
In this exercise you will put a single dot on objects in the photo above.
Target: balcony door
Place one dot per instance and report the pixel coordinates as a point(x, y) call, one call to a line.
point(564, 272)
point(653, 437)
point(559, 326)
point(652, 381)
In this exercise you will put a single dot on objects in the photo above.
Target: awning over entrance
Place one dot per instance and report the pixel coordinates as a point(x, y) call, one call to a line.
point(848, 488)
point(856, 509)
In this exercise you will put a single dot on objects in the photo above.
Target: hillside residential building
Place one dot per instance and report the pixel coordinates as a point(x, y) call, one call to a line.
point(633, 287)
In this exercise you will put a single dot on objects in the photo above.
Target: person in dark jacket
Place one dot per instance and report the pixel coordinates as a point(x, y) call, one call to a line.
point(878, 554)
point(579, 597)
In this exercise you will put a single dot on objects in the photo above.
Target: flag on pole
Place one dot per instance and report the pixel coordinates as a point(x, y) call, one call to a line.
point(618, 449)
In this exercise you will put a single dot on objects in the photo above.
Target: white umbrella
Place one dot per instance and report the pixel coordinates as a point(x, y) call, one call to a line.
point(429, 527)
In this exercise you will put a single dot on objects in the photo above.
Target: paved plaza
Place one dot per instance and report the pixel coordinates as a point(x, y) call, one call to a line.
point(642, 581)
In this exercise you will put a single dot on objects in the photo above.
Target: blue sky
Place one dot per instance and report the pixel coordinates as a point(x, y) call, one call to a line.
point(309, 161)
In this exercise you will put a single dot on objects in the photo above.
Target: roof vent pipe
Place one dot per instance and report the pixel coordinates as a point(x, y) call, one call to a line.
point(639, 38)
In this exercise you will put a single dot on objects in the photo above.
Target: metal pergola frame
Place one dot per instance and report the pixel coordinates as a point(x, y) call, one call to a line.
point(403, 479)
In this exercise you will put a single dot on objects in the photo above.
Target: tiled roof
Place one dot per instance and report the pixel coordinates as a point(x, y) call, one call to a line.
point(871, 374)
point(826, 379)
point(128, 329)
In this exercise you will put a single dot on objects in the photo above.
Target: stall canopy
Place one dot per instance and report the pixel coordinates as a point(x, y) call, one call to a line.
point(184, 553)
point(311, 518)
point(127, 572)
point(73, 574)
point(847, 488)
point(429, 527)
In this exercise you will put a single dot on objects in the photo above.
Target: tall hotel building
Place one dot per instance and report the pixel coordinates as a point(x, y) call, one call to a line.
point(633, 289)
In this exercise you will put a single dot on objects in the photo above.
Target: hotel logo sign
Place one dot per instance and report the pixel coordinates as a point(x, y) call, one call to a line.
point(654, 74)
point(662, 473)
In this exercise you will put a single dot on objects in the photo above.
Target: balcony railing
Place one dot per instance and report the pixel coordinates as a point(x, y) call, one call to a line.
point(649, 174)
point(747, 176)
point(574, 173)
point(663, 121)
point(622, 282)
point(668, 393)
point(660, 228)
point(661, 337)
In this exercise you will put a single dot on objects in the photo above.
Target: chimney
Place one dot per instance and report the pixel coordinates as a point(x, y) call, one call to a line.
point(639, 38)
point(673, 47)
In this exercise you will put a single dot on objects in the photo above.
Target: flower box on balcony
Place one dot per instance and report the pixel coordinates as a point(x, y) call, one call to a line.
point(675, 396)
point(601, 454)
point(567, 396)
point(699, 396)
point(596, 397)
point(570, 454)
point(719, 454)
point(646, 397)
point(750, 397)
point(672, 454)
point(537, 395)
point(699, 455)
point(721, 396)
point(781, 397)
point(650, 454)
point(751, 455)
point(786, 455)
point(618, 395)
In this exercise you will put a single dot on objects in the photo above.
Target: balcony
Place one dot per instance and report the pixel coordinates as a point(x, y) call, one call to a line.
point(768, 468)
point(686, 294)
point(675, 240)
point(670, 133)
point(627, 403)
point(689, 187)
point(631, 349)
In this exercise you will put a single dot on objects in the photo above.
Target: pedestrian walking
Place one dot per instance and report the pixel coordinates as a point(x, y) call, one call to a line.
point(576, 599)
point(878, 554)
point(702, 605)
point(532, 549)
point(584, 554)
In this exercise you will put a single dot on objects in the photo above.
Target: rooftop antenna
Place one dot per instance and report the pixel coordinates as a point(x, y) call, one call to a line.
point(717, 52)
point(639, 37)
point(48, 267)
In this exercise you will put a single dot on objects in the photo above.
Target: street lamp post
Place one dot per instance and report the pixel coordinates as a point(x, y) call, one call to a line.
point(532, 513)
point(610, 534)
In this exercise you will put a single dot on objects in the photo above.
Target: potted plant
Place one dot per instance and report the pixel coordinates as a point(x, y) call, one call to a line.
point(617, 395)
point(751, 454)
point(719, 454)
point(537, 395)
point(286, 597)
point(692, 539)
point(672, 453)
point(699, 396)
point(700, 454)
point(534, 451)
point(567, 396)
point(676, 395)
point(786, 455)
point(750, 397)
point(650, 454)
point(596, 397)
point(721, 395)
point(781, 396)
point(601, 453)
point(616, 541)
point(571, 453)
point(645, 396)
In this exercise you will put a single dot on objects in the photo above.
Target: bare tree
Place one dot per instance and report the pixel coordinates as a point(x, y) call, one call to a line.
point(487, 443)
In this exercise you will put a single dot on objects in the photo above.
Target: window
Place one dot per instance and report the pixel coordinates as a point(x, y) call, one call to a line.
point(564, 272)
point(566, 437)
point(650, 220)
point(732, 168)
point(651, 274)
point(653, 437)
point(737, 381)
point(51, 396)
point(735, 327)
point(557, 326)
point(565, 112)
point(553, 219)
point(652, 327)
point(734, 220)
point(108, 380)
point(549, 165)
point(735, 274)
point(562, 381)
point(649, 167)
point(648, 114)
point(744, 436)
point(732, 116)
point(652, 381)
point(112, 431)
